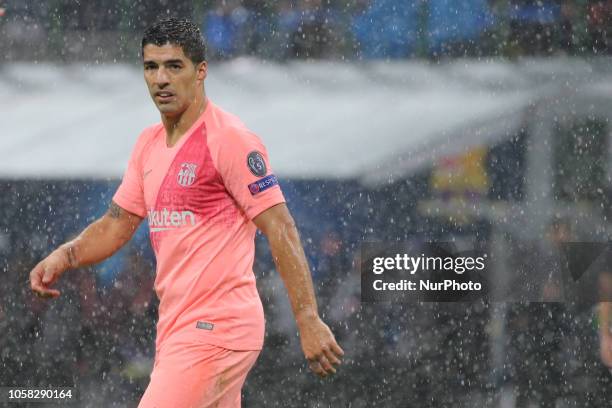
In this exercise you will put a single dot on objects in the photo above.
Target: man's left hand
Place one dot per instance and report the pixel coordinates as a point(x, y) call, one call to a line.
point(319, 346)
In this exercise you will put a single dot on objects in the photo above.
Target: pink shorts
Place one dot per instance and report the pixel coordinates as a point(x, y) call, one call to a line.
point(195, 375)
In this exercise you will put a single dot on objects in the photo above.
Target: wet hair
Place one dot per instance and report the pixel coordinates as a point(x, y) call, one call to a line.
point(179, 32)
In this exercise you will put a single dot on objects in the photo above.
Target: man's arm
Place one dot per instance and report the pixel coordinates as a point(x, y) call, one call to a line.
point(98, 241)
point(318, 342)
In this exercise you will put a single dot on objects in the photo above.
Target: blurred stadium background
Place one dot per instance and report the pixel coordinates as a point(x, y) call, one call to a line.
point(476, 121)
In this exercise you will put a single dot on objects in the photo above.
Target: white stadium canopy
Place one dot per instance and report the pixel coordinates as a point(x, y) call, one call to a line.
point(371, 121)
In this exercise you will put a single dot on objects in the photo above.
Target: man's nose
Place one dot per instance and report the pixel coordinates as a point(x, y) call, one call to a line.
point(161, 77)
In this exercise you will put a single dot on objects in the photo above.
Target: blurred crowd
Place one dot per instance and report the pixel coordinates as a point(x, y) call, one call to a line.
point(402, 29)
point(360, 29)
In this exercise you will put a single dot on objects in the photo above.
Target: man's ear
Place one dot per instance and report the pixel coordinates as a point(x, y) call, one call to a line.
point(201, 71)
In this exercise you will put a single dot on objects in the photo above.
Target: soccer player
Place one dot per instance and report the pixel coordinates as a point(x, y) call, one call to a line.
point(204, 182)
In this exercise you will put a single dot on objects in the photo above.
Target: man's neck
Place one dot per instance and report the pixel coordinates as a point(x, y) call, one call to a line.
point(177, 126)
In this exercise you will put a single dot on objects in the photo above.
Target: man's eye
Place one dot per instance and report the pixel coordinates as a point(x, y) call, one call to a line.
point(175, 67)
point(149, 67)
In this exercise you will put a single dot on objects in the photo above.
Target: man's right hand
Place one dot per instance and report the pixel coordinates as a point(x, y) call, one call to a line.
point(48, 271)
point(606, 349)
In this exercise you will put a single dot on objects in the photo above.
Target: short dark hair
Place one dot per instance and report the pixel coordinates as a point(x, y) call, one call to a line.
point(180, 32)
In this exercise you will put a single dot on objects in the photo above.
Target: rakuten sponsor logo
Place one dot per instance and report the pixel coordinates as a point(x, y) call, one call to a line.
point(164, 219)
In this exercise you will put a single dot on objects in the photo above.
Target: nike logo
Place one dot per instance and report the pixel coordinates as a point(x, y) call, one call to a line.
point(146, 173)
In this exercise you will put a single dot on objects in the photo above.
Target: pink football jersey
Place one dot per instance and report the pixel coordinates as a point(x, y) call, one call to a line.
point(200, 197)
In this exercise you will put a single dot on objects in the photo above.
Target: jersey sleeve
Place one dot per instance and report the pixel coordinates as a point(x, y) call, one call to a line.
point(130, 193)
point(243, 163)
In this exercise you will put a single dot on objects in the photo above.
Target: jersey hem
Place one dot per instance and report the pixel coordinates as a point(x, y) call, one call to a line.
point(254, 212)
point(125, 204)
point(215, 342)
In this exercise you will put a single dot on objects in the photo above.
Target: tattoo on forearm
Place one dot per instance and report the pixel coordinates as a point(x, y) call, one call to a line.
point(71, 257)
point(114, 210)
